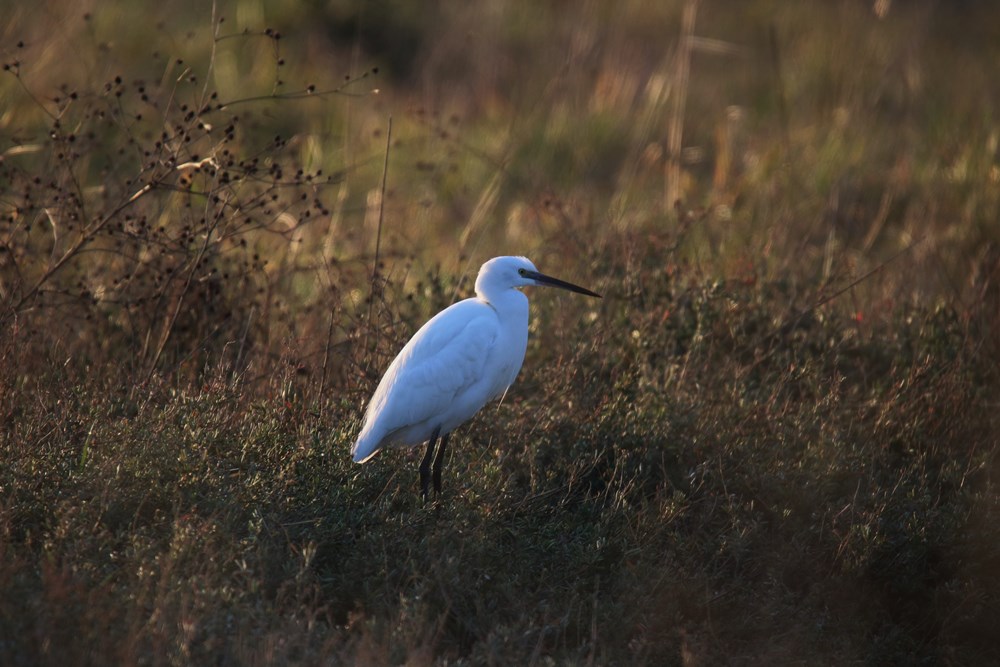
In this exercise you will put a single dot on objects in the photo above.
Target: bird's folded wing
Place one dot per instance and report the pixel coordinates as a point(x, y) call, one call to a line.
point(441, 362)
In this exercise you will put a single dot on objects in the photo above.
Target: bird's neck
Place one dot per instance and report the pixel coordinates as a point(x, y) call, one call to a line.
point(508, 303)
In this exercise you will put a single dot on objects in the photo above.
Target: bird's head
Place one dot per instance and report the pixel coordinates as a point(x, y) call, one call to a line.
point(503, 273)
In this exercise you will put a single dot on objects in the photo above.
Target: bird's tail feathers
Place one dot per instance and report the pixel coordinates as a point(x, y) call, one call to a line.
point(366, 447)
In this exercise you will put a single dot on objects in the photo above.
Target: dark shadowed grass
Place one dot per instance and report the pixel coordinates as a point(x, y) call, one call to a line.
point(817, 494)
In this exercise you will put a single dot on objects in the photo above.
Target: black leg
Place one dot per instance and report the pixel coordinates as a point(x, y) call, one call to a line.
point(439, 463)
point(425, 465)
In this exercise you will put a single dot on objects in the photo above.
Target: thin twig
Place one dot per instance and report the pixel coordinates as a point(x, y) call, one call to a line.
point(243, 341)
point(779, 81)
point(303, 94)
point(795, 319)
point(326, 360)
point(864, 277)
point(378, 233)
point(675, 134)
point(216, 25)
point(84, 238)
point(169, 327)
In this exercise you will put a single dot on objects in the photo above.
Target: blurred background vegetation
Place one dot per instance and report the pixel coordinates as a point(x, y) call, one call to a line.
point(219, 221)
point(814, 140)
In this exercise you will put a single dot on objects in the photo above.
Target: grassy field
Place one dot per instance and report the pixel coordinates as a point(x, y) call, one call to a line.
point(774, 441)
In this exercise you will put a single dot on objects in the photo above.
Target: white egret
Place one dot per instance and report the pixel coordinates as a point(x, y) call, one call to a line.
point(460, 360)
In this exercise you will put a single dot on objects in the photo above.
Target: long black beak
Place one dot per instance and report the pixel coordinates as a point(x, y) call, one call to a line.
point(543, 279)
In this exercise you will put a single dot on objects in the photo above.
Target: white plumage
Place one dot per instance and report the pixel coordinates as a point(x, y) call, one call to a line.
point(461, 359)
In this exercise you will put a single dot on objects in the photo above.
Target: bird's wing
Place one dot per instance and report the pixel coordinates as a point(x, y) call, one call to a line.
point(442, 360)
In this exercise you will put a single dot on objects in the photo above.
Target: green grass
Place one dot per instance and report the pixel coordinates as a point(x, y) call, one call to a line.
point(774, 441)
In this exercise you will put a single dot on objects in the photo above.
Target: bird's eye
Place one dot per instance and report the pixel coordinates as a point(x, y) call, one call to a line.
point(521, 271)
